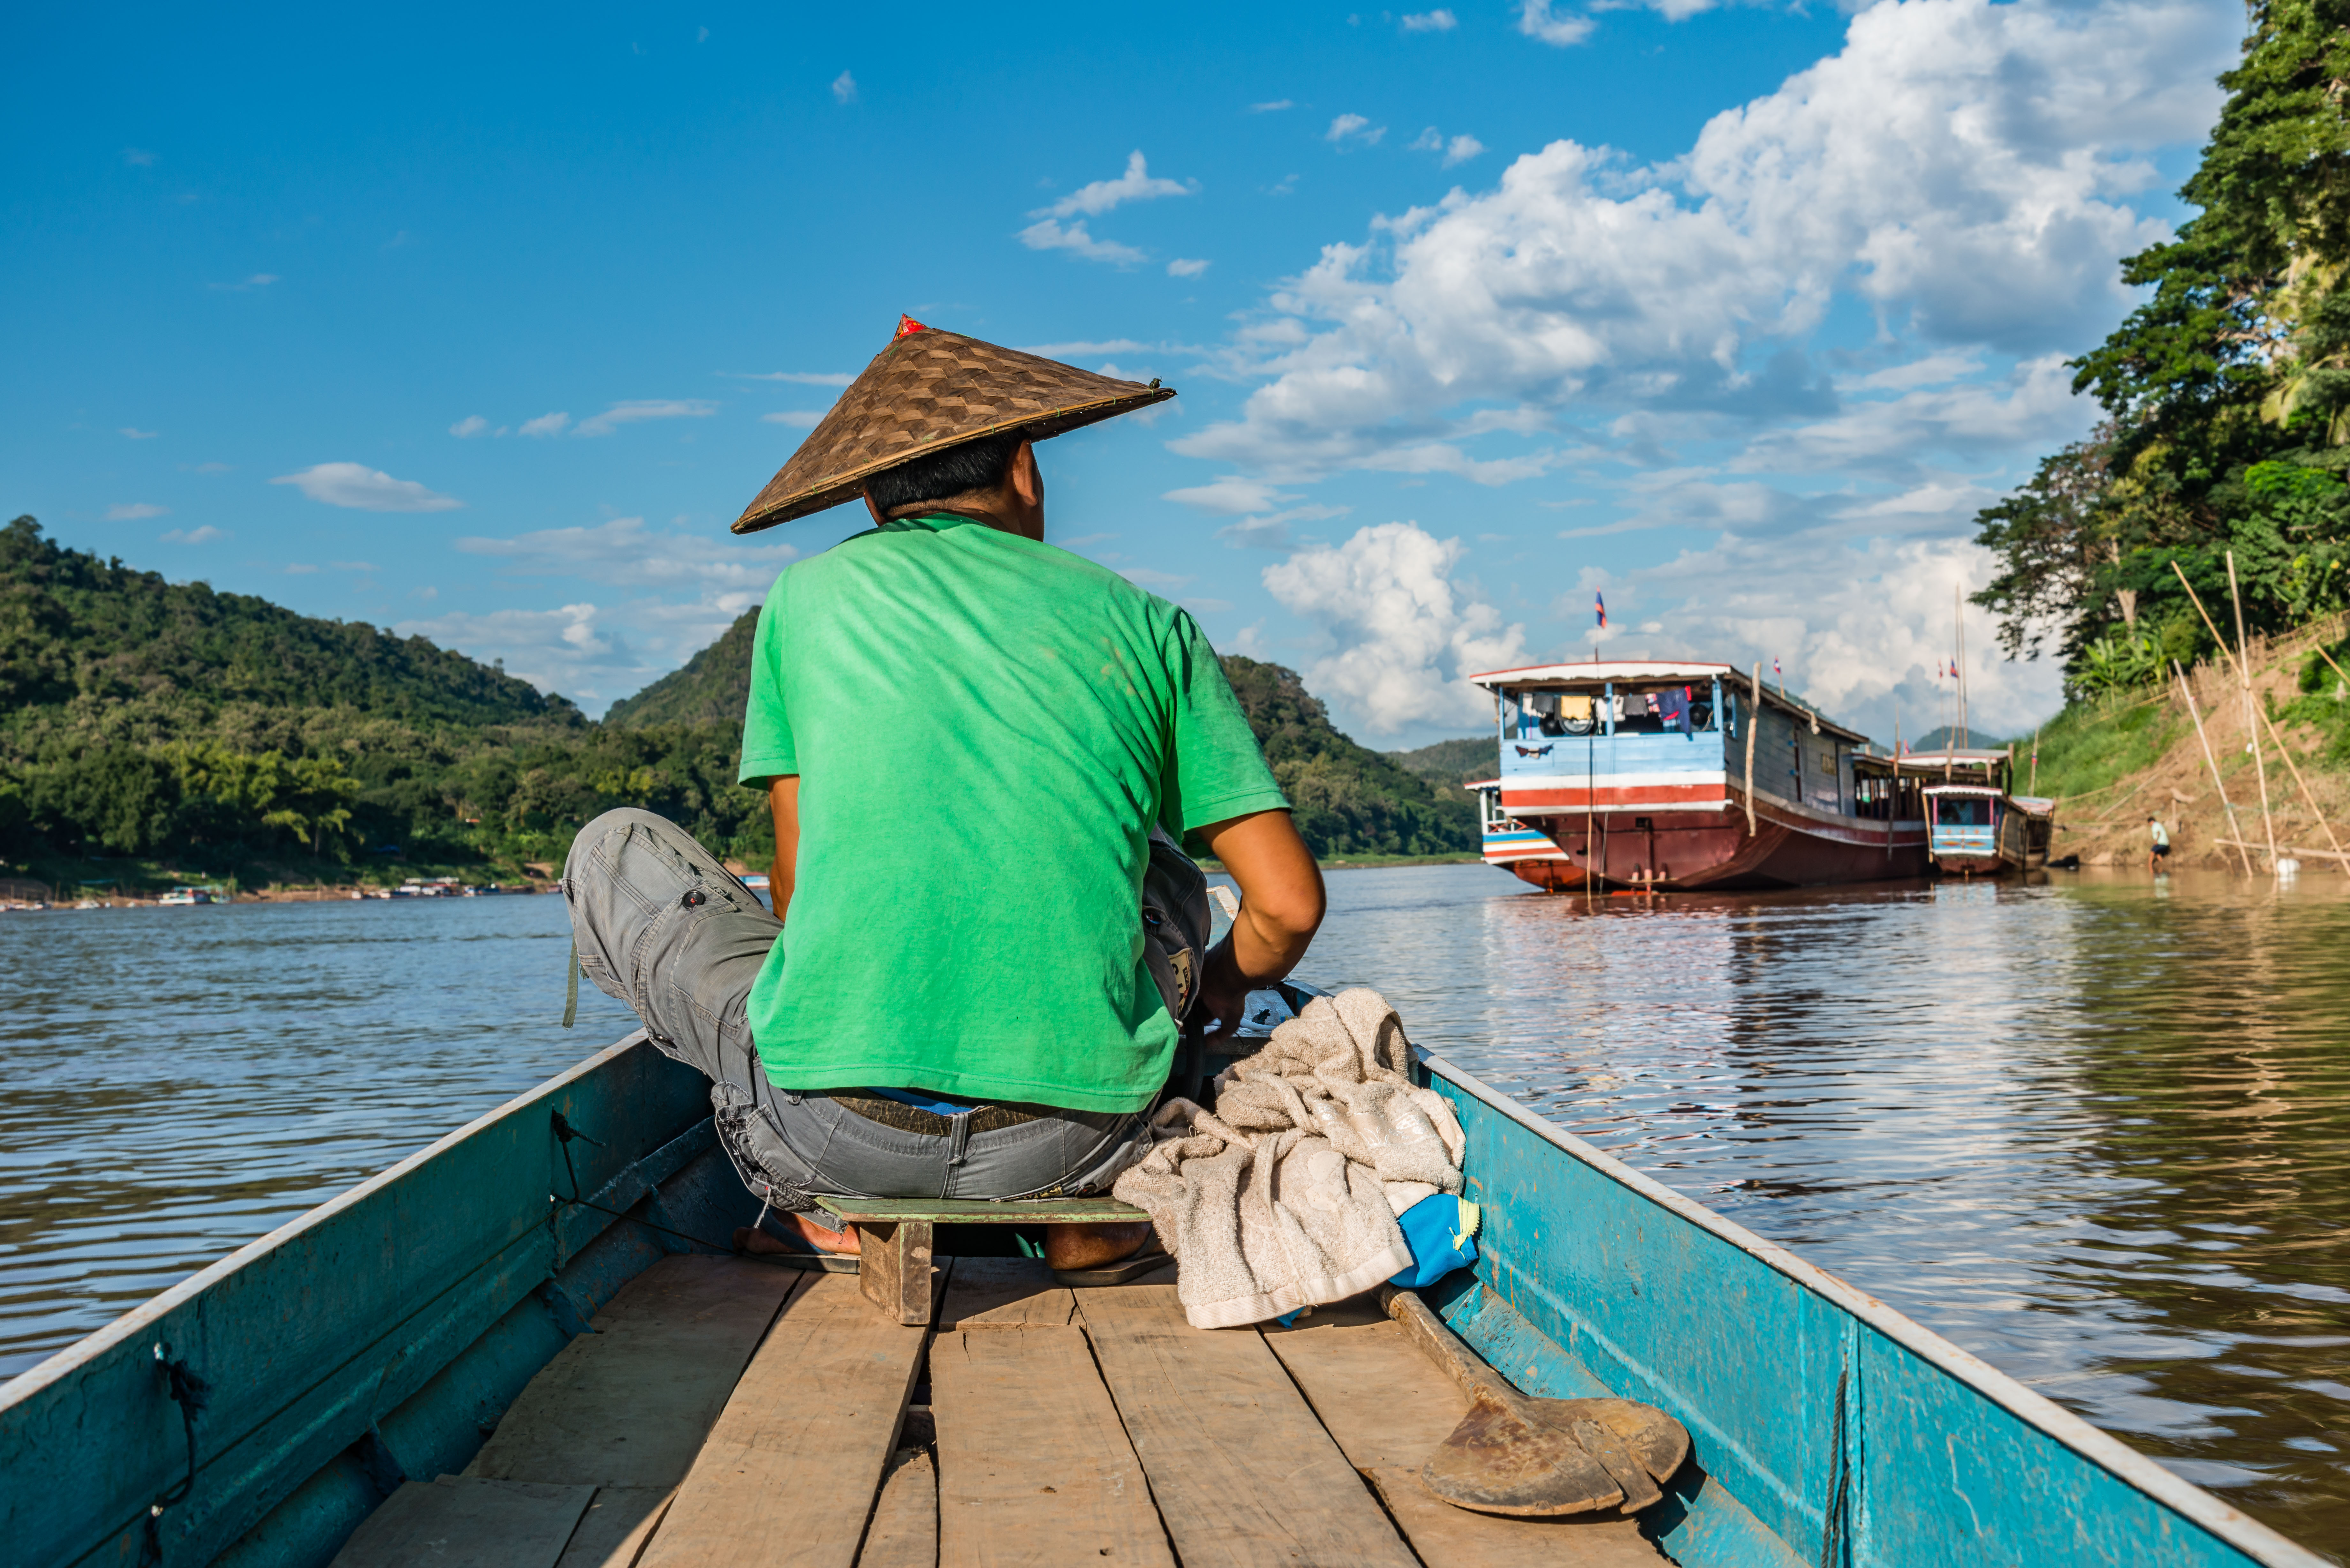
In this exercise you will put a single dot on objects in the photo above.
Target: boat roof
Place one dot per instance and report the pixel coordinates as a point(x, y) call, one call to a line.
point(1957, 759)
point(1601, 671)
point(1964, 789)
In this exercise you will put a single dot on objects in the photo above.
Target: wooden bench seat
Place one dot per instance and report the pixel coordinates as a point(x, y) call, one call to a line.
point(896, 1237)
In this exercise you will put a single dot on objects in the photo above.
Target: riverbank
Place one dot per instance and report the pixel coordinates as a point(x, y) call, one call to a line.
point(2112, 762)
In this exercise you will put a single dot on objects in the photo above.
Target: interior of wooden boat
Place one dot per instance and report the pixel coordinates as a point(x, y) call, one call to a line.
point(733, 1410)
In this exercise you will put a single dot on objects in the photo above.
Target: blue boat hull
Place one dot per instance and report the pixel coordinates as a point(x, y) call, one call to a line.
point(382, 1337)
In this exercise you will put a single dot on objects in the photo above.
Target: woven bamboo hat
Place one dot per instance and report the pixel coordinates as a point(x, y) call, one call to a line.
point(926, 391)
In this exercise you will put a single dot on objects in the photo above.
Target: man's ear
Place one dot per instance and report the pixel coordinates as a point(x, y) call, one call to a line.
point(876, 511)
point(1025, 478)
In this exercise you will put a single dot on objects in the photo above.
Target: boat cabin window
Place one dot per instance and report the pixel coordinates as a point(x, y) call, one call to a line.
point(1682, 708)
point(1962, 810)
point(1532, 713)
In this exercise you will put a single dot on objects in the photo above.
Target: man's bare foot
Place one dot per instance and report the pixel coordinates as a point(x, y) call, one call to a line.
point(841, 1243)
point(1093, 1246)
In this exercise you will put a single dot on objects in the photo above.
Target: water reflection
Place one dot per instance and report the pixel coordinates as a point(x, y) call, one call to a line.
point(2096, 1136)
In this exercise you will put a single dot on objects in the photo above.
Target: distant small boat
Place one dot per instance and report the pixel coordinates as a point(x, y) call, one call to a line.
point(181, 897)
point(1974, 827)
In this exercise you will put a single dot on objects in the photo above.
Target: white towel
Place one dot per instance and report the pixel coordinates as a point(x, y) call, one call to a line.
point(1286, 1195)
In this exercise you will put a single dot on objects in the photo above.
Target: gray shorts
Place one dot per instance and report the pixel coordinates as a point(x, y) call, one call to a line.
point(665, 928)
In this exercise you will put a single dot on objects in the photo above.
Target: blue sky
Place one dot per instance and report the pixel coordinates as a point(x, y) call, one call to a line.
point(1736, 314)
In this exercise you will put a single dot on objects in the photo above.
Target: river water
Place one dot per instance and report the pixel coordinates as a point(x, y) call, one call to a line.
point(2095, 1131)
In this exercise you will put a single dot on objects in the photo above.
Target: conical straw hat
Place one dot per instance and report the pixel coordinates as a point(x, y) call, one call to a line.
point(927, 390)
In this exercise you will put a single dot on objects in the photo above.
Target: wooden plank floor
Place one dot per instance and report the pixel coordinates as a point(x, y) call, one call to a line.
point(731, 1413)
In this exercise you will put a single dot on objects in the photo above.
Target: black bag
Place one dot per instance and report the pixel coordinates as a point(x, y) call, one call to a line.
point(1175, 923)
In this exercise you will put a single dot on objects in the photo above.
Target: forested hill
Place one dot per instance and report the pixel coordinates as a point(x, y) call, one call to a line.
point(1351, 800)
point(90, 648)
point(1348, 799)
point(145, 725)
point(711, 689)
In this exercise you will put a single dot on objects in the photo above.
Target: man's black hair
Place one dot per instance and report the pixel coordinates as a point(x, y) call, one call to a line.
point(972, 465)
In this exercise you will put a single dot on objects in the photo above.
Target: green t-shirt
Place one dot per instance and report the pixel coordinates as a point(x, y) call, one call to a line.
point(984, 729)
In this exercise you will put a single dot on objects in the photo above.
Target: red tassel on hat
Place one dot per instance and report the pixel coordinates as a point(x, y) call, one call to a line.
point(907, 328)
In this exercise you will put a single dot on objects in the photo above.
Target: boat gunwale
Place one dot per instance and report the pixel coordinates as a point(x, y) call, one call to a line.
point(135, 1322)
point(2100, 1448)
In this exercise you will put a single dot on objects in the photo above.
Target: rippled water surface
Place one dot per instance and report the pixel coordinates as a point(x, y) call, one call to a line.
point(2093, 1131)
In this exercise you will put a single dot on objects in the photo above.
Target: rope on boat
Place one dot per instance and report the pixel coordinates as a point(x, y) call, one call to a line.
point(191, 1393)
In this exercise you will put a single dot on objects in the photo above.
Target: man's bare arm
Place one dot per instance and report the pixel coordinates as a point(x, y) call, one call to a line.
point(1282, 903)
point(783, 800)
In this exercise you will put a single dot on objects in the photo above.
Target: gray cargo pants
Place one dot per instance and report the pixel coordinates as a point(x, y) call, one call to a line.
point(665, 928)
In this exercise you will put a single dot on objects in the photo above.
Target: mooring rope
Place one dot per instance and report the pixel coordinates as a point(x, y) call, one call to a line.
point(191, 1393)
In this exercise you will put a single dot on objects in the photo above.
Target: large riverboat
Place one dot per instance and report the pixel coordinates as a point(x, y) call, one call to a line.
point(1684, 776)
point(447, 1364)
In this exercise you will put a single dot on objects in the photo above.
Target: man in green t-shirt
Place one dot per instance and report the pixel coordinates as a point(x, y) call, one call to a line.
point(967, 737)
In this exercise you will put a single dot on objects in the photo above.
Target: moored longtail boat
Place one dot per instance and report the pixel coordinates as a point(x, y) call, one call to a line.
point(510, 1348)
point(1677, 774)
point(1975, 827)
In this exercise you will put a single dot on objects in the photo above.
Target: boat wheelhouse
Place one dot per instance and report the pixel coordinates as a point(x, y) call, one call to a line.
point(1681, 775)
point(1974, 827)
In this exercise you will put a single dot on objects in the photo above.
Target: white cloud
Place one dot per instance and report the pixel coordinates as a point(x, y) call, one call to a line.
point(203, 536)
point(1137, 184)
point(638, 408)
point(1181, 267)
point(1353, 128)
point(1460, 150)
point(1089, 350)
point(1271, 530)
point(801, 377)
point(1398, 633)
point(365, 489)
point(1157, 582)
point(546, 425)
point(844, 88)
point(300, 569)
point(258, 280)
point(798, 419)
point(1537, 21)
point(625, 553)
point(471, 425)
point(1431, 22)
point(1231, 495)
point(1047, 234)
point(1862, 639)
point(137, 434)
point(137, 157)
point(1960, 168)
point(1277, 104)
point(132, 511)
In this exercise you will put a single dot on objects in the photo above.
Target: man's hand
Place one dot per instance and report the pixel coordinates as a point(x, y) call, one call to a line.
point(1281, 901)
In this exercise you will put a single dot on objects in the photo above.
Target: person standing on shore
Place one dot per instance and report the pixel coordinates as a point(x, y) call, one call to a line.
point(2159, 852)
point(979, 752)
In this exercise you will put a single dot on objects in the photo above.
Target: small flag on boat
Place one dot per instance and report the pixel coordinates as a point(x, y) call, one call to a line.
point(1602, 600)
point(1775, 670)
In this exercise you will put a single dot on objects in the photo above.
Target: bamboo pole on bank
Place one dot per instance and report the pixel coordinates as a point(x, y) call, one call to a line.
point(2213, 764)
point(2244, 675)
point(2282, 751)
